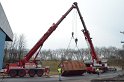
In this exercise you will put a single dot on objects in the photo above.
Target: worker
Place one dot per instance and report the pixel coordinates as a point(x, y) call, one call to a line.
point(47, 70)
point(59, 72)
point(97, 71)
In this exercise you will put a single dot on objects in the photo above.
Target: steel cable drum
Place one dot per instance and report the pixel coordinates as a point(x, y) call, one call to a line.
point(72, 68)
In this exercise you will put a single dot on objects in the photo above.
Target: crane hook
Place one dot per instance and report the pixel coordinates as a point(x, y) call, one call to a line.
point(73, 34)
point(76, 40)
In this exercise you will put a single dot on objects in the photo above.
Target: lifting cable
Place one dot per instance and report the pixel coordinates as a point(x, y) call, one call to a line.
point(74, 27)
point(72, 37)
point(76, 46)
point(76, 34)
point(76, 43)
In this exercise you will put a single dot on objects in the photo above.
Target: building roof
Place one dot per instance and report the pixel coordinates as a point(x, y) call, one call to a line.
point(4, 25)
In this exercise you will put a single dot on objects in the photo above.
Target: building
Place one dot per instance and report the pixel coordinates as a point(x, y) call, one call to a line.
point(5, 33)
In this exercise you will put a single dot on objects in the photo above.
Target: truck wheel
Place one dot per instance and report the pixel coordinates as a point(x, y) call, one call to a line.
point(39, 73)
point(12, 73)
point(22, 73)
point(31, 73)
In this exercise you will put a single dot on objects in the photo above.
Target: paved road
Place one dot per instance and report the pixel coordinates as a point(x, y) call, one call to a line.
point(54, 78)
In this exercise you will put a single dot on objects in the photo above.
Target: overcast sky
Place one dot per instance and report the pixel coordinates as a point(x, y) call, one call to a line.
point(104, 20)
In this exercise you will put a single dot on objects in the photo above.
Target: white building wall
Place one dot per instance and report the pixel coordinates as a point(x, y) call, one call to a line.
point(4, 24)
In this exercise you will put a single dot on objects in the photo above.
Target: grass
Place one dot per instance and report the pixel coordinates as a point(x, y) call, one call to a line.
point(53, 66)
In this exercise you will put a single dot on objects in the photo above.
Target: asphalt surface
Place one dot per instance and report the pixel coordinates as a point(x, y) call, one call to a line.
point(54, 78)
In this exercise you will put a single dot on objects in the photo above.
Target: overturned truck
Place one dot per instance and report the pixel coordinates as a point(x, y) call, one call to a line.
point(72, 68)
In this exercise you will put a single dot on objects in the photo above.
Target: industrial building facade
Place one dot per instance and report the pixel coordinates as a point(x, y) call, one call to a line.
point(5, 33)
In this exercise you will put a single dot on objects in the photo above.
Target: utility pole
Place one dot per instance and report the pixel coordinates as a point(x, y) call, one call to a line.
point(122, 33)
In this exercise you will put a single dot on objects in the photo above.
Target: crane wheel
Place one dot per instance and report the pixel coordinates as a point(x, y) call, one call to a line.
point(13, 73)
point(31, 73)
point(39, 73)
point(22, 73)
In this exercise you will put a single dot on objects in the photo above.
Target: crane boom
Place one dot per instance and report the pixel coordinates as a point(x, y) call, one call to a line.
point(45, 36)
point(53, 27)
point(87, 37)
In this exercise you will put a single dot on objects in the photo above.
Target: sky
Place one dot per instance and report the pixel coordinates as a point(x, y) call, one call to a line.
point(103, 18)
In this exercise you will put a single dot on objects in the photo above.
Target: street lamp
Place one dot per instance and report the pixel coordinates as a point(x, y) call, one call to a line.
point(122, 33)
point(122, 41)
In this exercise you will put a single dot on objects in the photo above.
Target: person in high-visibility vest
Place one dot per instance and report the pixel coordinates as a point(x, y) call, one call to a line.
point(59, 72)
point(97, 71)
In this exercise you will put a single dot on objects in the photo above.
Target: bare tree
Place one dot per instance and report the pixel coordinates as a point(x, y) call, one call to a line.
point(121, 54)
point(21, 46)
point(15, 49)
point(10, 50)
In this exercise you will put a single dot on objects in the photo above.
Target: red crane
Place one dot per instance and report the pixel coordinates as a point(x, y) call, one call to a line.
point(94, 56)
point(88, 38)
point(25, 66)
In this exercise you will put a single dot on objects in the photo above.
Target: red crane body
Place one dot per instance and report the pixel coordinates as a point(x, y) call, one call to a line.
point(25, 66)
point(92, 50)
